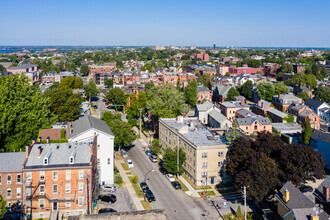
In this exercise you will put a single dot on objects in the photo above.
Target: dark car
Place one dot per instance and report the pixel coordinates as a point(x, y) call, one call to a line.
point(108, 198)
point(106, 210)
point(304, 188)
point(150, 196)
point(95, 106)
point(176, 185)
point(163, 170)
point(144, 187)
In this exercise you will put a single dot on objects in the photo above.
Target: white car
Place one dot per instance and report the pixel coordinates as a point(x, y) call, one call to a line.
point(130, 164)
point(109, 188)
point(170, 177)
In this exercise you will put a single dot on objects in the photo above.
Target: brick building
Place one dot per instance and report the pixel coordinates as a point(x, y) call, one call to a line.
point(283, 101)
point(302, 111)
point(245, 70)
point(229, 109)
point(23, 68)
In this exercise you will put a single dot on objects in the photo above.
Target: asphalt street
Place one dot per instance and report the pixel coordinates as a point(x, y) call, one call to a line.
point(176, 203)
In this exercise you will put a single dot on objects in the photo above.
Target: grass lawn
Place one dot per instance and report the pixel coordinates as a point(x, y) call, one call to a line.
point(193, 185)
point(146, 205)
point(128, 173)
point(125, 167)
point(209, 193)
point(136, 187)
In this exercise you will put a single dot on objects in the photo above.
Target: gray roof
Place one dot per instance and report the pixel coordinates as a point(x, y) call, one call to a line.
point(23, 66)
point(234, 104)
point(85, 123)
point(205, 106)
point(305, 113)
point(297, 199)
point(251, 120)
point(58, 155)
point(266, 104)
point(222, 89)
point(277, 112)
point(317, 134)
point(198, 135)
point(313, 102)
point(305, 214)
point(286, 126)
point(217, 116)
point(245, 113)
point(202, 88)
point(239, 98)
point(11, 162)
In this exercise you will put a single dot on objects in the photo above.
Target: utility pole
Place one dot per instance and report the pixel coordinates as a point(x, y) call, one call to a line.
point(140, 120)
point(244, 194)
point(177, 157)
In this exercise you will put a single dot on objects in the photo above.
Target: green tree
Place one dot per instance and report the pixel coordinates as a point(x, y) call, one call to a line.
point(266, 90)
point(3, 205)
point(84, 69)
point(303, 95)
point(121, 130)
point(298, 79)
point(91, 89)
point(116, 96)
point(1, 68)
point(246, 89)
point(165, 101)
point(170, 160)
point(310, 81)
point(323, 73)
point(306, 135)
point(322, 93)
point(108, 83)
point(315, 69)
point(227, 74)
point(156, 147)
point(64, 104)
point(233, 133)
point(231, 94)
point(71, 82)
point(190, 93)
point(149, 85)
point(23, 112)
point(280, 88)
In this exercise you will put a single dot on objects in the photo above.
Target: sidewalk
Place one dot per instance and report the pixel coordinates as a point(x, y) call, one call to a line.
point(129, 186)
point(192, 191)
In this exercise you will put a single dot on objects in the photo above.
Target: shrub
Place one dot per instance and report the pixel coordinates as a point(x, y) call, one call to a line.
point(135, 179)
point(118, 180)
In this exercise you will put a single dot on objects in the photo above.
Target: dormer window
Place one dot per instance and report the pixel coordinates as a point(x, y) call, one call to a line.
point(45, 161)
point(71, 160)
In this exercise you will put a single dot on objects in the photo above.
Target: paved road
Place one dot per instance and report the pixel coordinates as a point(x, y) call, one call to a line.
point(124, 201)
point(101, 107)
point(175, 202)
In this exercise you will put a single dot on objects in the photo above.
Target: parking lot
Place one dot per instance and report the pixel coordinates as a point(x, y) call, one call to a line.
point(123, 203)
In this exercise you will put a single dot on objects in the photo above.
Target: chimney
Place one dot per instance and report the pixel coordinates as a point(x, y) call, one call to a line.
point(33, 141)
point(279, 96)
point(39, 140)
point(27, 151)
point(286, 195)
point(179, 118)
point(262, 105)
point(39, 151)
point(191, 125)
point(326, 192)
point(242, 102)
point(248, 113)
point(70, 128)
point(47, 140)
point(92, 149)
point(259, 103)
point(314, 217)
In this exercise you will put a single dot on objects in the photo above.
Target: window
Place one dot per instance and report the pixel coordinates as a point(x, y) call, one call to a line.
point(109, 161)
point(80, 201)
point(41, 215)
point(9, 179)
point(184, 147)
point(67, 203)
point(68, 175)
point(8, 193)
point(81, 187)
point(42, 189)
point(28, 190)
point(55, 174)
point(255, 127)
point(68, 187)
point(81, 174)
point(220, 164)
point(71, 160)
point(41, 203)
point(0, 179)
point(54, 189)
point(220, 154)
point(28, 177)
point(18, 178)
point(204, 165)
point(42, 175)
point(98, 161)
point(18, 192)
point(204, 174)
point(204, 155)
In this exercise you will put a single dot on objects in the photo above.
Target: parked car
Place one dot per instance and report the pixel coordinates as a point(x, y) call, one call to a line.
point(103, 100)
point(106, 210)
point(304, 188)
point(170, 177)
point(95, 106)
point(109, 188)
point(163, 170)
point(148, 152)
point(150, 196)
point(144, 185)
point(153, 158)
point(129, 164)
point(124, 153)
point(176, 185)
point(108, 198)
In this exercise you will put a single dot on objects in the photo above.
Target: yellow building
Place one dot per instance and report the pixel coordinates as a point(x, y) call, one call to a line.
point(205, 153)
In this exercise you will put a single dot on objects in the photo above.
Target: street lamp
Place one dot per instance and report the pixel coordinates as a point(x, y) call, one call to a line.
point(145, 177)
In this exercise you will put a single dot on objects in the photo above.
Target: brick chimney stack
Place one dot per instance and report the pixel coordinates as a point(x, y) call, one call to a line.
point(262, 105)
point(39, 151)
point(47, 140)
point(242, 102)
point(27, 151)
point(40, 138)
point(326, 194)
point(33, 141)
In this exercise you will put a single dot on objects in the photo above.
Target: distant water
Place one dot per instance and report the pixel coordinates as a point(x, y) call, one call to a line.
point(6, 51)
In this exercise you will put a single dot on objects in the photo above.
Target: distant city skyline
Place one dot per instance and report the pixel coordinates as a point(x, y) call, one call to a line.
point(144, 23)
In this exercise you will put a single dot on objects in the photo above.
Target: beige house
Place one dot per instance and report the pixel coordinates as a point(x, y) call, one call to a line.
point(205, 153)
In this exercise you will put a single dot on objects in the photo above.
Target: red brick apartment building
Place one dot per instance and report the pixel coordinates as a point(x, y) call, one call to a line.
point(244, 70)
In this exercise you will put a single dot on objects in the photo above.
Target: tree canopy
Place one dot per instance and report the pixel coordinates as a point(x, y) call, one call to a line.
point(280, 88)
point(170, 160)
point(91, 89)
point(136, 102)
point(306, 134)
point(266, 90)
point(108, 83)
point(266, 162)
point(190, 93)
point(246, 89)
point(3, 205)
point(322, 93)
point(84, 69)
point(231, 94)
point(23, 112)
point(303, 95)
point(116, 96)
point(71, 82)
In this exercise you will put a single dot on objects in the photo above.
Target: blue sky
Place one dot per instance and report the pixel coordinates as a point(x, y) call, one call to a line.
point(267, 23)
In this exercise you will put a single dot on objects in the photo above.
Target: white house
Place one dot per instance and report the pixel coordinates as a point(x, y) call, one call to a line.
point(83, 130)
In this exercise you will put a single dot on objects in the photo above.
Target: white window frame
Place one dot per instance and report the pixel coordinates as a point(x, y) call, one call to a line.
point(42, 174)
point(42, 192)
point(80, 201)
point(68, 188)
point(80, 186)
point(20, 178)
point(41, 203)
point(9, 190)
point(67, 213)
point(220, 154)
point(68, 175)
point(29, 176)
point(18, 192)
point(220, 164)
point(55, 172)
point(204, 155)
point(41, 214)
point(56, 189)
point(81, 174)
